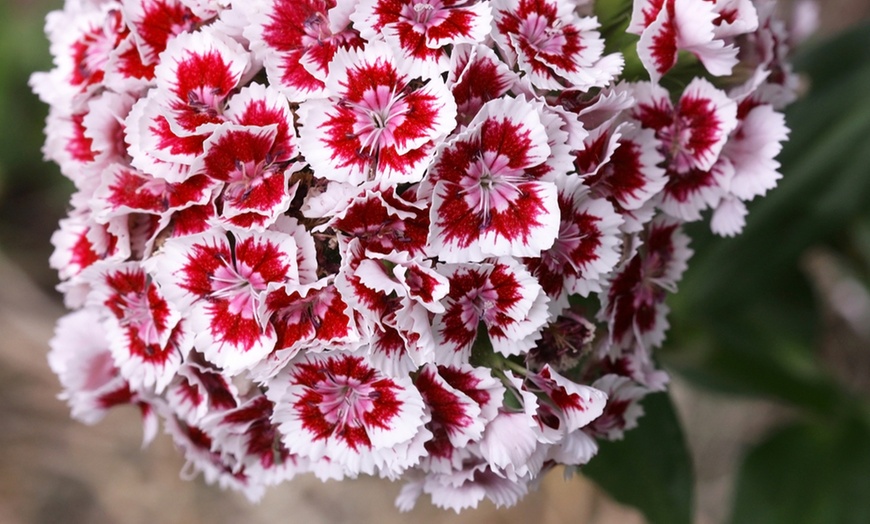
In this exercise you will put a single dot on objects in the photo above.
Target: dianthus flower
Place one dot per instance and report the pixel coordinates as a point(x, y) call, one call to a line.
point(428, 240)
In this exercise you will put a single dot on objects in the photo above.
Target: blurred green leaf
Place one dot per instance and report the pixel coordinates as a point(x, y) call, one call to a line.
point(807, 473)
point(651, 468)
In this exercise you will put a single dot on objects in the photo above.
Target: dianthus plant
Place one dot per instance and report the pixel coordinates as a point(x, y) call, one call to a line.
point(428, 240)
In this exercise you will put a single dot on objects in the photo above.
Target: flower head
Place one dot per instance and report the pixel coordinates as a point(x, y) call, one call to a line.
point(428, 240)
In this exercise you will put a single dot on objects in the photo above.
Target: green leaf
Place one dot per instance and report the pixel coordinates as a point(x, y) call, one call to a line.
point(650, 469)
point(807, 473)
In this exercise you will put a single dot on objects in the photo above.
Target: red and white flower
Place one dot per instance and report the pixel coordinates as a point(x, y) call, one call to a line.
point(218, 279)
point(488, 198)
point(691, 136)
point(250, 443)
point(296, 40)
point(586, 248)
point(633, 302)
point(194, 79)
point(81, 358)
point(552, 45)
point(697, 26)
point(354, 237)
point(336, 406)
point(475, 77)
point(501, 295)
point(421, 30)
point(200, 390)
point(376, 124)
point(146, 335)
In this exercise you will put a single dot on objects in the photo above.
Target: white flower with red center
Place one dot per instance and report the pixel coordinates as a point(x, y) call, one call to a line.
point(693, 131)
point(200, 390)
point(254, 174)
point(475, 77)
point(691, 136)
point(154, 23)
point(421, 30)
point(455, 418)
point(586, 249)
point(552, 45)
point(79, 243)
point(82, 39)
point(217, 279)
point(196, 75)
point(669, 26)
point(576, 405)
point(461, 401)
point(623, 407)
point(145, 334)
point(385, 222)
point(249, 442)
point(376, 124)
point(308, 317)
point(81, 358)
point(68, 145)
point(296, 40)
point(338, 407)
point(622, 164)
point(633, 302)
point(503, 296)
point(411, 292)
point(126, 190)
point(488, 199)
point(104, 126)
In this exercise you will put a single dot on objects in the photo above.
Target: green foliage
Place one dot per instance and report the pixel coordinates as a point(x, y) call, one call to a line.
point(807, 473)
point(23, 49)
point(651, 468)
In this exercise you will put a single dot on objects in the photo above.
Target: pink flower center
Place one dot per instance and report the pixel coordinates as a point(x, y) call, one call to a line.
point(244, 178)
point(138, 315)
point(239, 287)
point(345, 401)
point(378, 115)
point(316, 29)
point(205, 100)
point(541, 34)
point(491, 184)
point(479, 304)
point(424, 14)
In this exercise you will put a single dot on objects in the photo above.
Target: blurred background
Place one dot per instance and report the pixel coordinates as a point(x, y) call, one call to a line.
point(770, 347)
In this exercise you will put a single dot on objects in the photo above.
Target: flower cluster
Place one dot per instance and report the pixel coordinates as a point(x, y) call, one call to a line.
point(429, 240)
